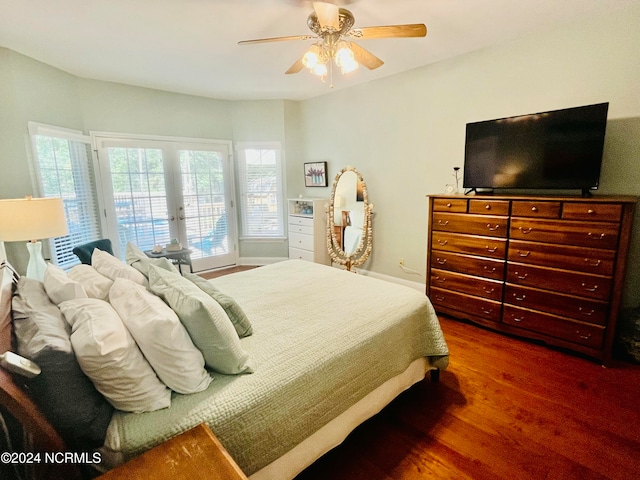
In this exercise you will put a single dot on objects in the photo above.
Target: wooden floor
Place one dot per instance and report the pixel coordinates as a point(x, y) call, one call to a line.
point(226, 271)
point(504, 409)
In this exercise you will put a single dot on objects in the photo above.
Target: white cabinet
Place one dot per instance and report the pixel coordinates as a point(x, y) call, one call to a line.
point(307, 229)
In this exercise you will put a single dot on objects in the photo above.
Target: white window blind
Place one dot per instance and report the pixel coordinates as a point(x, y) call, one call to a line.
point(260, 186)
point(63, 168)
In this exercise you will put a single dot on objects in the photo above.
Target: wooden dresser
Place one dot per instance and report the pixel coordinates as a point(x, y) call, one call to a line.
point(549, 268)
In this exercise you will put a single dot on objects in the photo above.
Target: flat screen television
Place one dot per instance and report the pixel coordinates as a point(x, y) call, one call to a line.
point(559, 149)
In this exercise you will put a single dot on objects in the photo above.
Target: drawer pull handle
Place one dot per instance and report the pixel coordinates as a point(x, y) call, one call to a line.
point(443, 242)
point(486, 268)
point(493, 229)
point(586, 312)
point(525, 230)
point(491, 249)
point(520, 299)
point(487, 207)
point(488, 290)
point(439, 279)
point(443, 224)
point(440, 298)
point(592, 262)
point(589, 289)
point(518, 319)
point(524, 254)
point(591, 211)
point(487, 311)
point(534, 209)
point(596, 236)
point(525, 275)
point(449, 205)
point(584, 337)
point(441, 261)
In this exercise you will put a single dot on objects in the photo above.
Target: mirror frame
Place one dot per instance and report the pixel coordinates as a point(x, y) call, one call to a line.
point(336, 251)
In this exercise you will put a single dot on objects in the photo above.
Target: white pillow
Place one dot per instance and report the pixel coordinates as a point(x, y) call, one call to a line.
point(113, 268)
point(60, 287)
point(109, 356)
point(162, 338)
point(207, 323)
point(95, 284)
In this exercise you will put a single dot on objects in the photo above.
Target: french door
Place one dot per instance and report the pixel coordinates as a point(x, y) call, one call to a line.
point(156, 190)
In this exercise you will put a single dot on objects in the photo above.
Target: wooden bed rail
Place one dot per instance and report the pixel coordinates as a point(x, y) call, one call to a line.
point(38, 434)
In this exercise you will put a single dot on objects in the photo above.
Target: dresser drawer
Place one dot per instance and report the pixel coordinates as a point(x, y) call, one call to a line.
point(301, 241)
point(480, 287)
point(535, 209)
point(301, 254)
point(583, 234)
point(583, 259)
point(577, 308)
point(554, 326)
point(304, 221)
point(478, 266)
point(470, 244)
point(572, 283)
point(601, 212)
point(489, 207)
point(450, 205)
point(489, 225)
point(466, 304)
point(304, 229)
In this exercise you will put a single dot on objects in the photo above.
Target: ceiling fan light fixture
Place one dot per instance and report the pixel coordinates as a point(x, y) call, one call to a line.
point(345, 58)
point(312, 57)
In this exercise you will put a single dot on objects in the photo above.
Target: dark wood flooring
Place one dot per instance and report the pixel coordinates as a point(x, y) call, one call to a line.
point(226, 271)
point(504, 409)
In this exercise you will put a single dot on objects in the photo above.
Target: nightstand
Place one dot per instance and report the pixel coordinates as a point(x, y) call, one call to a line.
point(192, 455)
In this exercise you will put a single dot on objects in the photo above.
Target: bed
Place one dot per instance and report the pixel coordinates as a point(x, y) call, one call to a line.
point(330, 349)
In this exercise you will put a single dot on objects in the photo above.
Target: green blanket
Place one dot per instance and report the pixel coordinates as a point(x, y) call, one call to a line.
point(323, 338)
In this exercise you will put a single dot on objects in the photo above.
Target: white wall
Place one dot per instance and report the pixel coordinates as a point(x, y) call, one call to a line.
point(406, 133)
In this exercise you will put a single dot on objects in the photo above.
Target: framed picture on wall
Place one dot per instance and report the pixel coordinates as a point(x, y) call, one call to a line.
point(315, 174)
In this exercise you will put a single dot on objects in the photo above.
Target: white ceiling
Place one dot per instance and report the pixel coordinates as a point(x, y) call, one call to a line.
point(191, 46)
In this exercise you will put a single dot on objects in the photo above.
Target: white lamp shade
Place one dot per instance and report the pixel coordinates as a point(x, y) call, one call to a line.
point(31, 219)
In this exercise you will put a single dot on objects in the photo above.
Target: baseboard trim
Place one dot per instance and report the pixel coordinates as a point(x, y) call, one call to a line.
point(260, 260)
point(421, 287)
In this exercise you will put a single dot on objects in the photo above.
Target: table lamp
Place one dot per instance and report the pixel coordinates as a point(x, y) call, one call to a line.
point(32, 219)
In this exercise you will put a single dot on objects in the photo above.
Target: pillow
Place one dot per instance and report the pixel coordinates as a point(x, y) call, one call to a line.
point(95, 284)
point(113, 268)
point(209, 327)
point(161, 337)
point(42, 336)
point(237, 316)
point(109, 356)
point(60, 287)
point(139, 260)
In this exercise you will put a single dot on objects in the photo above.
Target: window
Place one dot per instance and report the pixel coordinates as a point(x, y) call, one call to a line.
point(260, 187)
point(63, 168)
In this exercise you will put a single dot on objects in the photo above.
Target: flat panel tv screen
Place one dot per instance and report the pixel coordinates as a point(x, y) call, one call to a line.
point(560, 149)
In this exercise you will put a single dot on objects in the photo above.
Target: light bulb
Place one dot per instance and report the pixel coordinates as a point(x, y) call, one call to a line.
point(345, 59)
point(310, 59)
point(319, 69)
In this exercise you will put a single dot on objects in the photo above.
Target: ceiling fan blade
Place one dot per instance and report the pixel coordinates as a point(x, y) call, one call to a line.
point(276, 39)
point(390, 31)
point(328, 15)
point(296, 67)
point(365, 57)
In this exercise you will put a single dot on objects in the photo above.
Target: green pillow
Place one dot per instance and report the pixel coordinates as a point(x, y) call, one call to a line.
point(237, 316)
point(135, 257)
point(207, 323)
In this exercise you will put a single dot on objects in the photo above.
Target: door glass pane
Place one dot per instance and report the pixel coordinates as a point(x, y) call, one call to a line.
point(203, 194)
point(139, 192)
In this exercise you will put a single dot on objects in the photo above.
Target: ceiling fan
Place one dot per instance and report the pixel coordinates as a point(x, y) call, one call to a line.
point(332, 27)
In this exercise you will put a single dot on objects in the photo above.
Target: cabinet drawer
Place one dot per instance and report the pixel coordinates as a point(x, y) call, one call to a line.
point(489, 225)
point(478, 266)
point(466, 304)
point(471, 244)
point(572, 283)
point(602, 212)
point(301, 254)
point(489, 207)
point(590, 260)
point(577, 308)
point(534, 208)
point(480, 287)
point(298, 240)
point(450, 205)
point(592, 234)
point(305, 229)
point(554, 326)
point(305, 221)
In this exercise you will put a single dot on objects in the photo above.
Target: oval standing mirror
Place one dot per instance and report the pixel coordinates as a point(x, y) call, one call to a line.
point(349, 238)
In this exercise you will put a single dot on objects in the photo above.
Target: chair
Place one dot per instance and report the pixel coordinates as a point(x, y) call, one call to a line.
point(210, 243)
point(84, 252)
